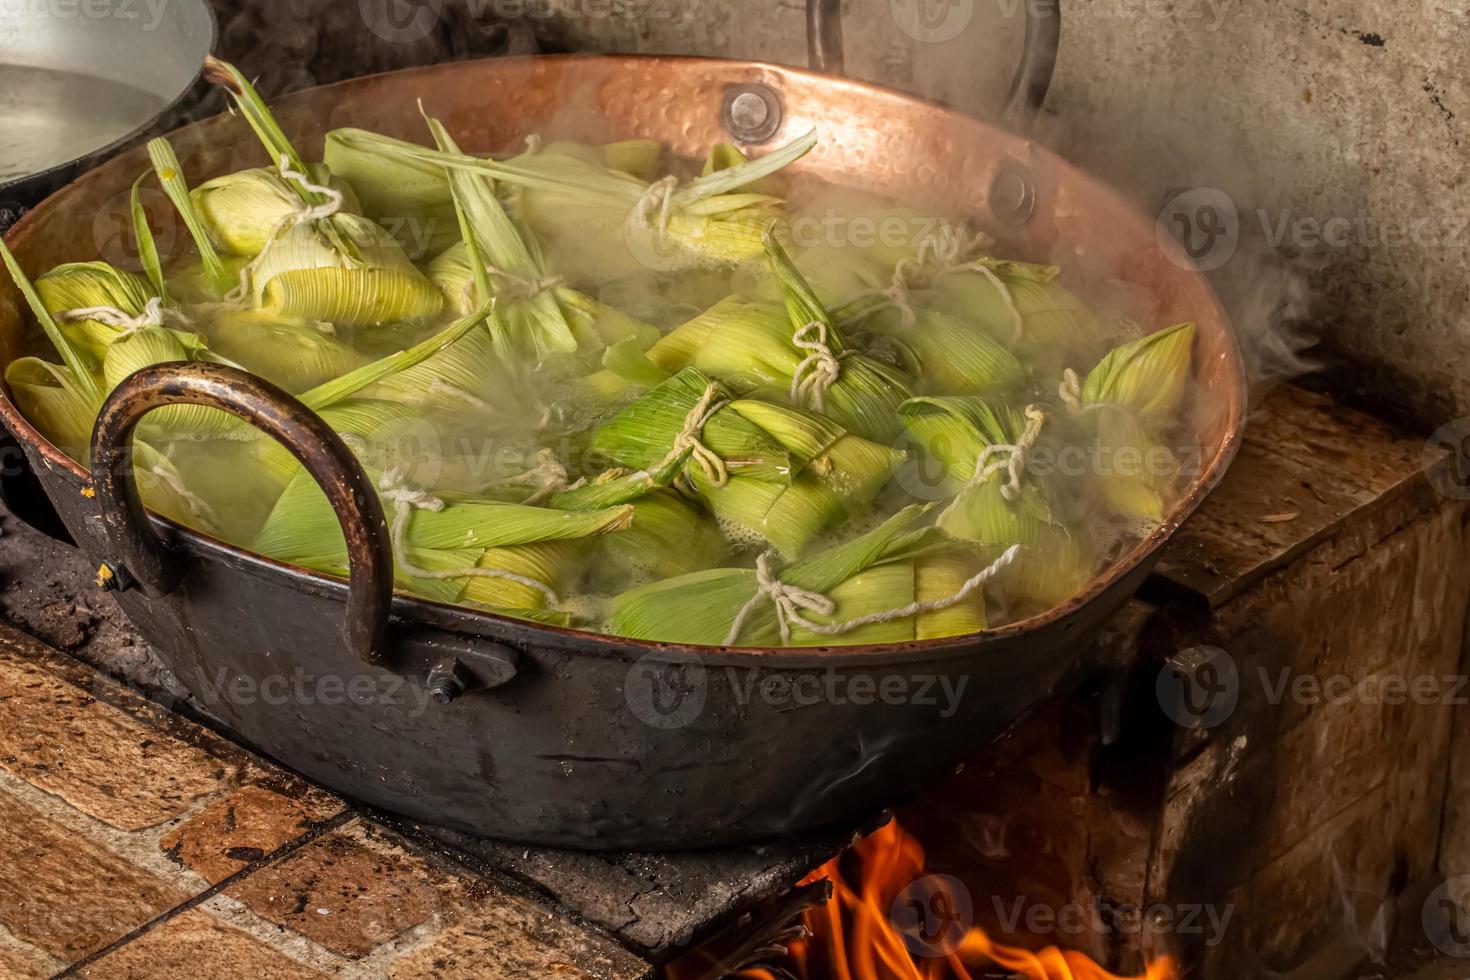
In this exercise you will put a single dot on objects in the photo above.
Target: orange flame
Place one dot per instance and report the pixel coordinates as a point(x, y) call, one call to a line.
point(854, 936)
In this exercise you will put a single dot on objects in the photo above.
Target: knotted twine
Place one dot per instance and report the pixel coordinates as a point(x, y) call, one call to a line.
point(518, 288)
point(689, 438)
point(1009, 457)
point(548, 476)
point(944, 255)
point(657, 202)
point(406, 499)
point(816, 373)
point(790, 600)
point(154, 315)
point(303, 213)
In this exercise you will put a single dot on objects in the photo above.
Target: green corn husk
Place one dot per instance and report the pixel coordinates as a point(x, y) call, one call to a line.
point(358, 276)
point(535, 323)
point(157, 345)
point(294, 355)
point(244, 210)
point(1148, 376)
point(884, 569)
point(1053, 320)
point(594, 324)
point(467, 377)
point(302, 529)
point(727, 156)
point(165, 491)
point(952, 433)
point(668, 537)
point(842, 476)
point(640, 436)
point(81, 285)
point(949, 355)
point(599, 221)
point(748, 346)
point(49, 395)
point(794, 475)
point(147, 246)
point(214, 278)
point(1132, 394)
point(410, 199)
point(343, 269)
point(635, 158)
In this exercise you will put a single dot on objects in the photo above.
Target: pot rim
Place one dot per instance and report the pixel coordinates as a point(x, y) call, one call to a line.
point(466, 620)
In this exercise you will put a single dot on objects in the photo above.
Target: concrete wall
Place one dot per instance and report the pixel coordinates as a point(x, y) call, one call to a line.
point(1339, 131)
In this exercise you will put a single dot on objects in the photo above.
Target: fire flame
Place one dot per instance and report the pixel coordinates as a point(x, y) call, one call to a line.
point(854, 935)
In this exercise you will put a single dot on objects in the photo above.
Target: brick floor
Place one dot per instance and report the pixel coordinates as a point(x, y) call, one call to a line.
point(138, 844)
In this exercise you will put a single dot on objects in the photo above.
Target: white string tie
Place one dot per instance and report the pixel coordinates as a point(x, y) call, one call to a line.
point(406, 498)
point(518, 288)
point(689, 438)
point(303, 213)
point(154, 315)
point(655, 206)
point(548, 476)
point(1009, 458)
point(789, 601)
point(817, 372)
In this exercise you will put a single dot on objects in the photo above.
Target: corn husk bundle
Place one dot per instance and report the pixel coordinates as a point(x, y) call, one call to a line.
point(295, 355)
point(74, 286)
point(606, 223)
point(879, 572)
point(533, 544)
point(1126, 402)
point(1000, 508)
point(774, 352)
point(244, 210)
point(768, 472)
point(320, 262)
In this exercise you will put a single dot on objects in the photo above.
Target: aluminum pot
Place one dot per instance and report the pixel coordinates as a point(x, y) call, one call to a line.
point(557, 737)
point(81, 81)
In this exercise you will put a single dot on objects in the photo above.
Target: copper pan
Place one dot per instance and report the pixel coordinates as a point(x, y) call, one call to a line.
point(554, 736)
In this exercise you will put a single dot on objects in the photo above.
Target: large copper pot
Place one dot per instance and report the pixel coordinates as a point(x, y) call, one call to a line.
point(560, 737)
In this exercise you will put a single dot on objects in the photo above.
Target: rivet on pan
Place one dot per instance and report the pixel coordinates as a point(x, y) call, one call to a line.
point(1013, 194)
point(751, 113)
point(113, 577)
point(447, 680)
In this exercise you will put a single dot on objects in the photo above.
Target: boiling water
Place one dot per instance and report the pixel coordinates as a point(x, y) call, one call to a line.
point(50, 117)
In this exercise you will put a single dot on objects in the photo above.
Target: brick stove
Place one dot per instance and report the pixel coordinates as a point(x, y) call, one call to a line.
point(1204, 760)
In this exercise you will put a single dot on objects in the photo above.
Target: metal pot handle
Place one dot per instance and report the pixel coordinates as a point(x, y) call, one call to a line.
point(138, 551)
point(1028, 86)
